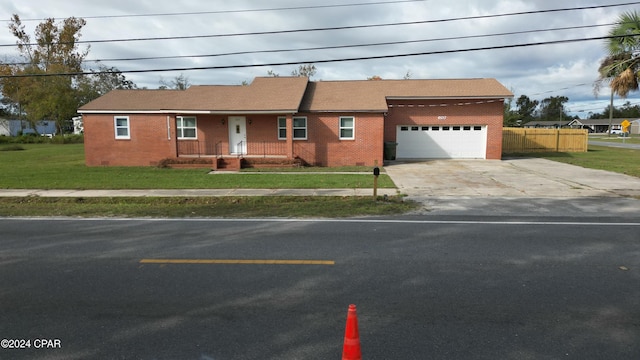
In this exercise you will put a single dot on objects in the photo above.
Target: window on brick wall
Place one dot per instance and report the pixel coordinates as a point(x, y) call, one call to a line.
point(282, 128)
point(347, 127)
point(299, 128)
point(186, 127)
point(121, 127)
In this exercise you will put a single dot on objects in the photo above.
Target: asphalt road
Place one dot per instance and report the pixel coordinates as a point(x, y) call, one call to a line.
point(611, 144)
point(425, 288)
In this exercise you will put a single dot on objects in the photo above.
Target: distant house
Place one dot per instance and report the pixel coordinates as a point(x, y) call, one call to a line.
point(78, 126)
point(598, 125)
point(19, 127)
point(4, 128)
point(325, 123)
point(546, 124)
point(635, 127)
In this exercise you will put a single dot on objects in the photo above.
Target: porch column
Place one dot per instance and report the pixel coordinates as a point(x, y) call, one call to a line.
point(289, 136)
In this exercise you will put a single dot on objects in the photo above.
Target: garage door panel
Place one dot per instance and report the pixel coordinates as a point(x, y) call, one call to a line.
point(441, 142)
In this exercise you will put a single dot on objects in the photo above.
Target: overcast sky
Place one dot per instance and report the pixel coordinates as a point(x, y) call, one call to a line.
point(567, 69)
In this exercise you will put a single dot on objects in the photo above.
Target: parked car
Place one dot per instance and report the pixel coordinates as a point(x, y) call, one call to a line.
point(616, 131)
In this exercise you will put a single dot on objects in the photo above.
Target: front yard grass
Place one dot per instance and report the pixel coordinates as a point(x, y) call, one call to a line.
point(47, 166)
point(624, 161)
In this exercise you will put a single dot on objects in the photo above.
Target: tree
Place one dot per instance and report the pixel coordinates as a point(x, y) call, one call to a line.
point(53, 51)
point(552, 108)
point(511, 116)
point(624, 62)
point(47, 81)
point(308, 70)
point(180, 82)
point(100, 82)
point(621, 68)
point(526, 108)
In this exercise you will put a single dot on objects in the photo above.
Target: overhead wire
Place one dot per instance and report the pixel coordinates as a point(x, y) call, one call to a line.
point(334, 47)
point(350, 27)
point(321, 61)
point(215, 12)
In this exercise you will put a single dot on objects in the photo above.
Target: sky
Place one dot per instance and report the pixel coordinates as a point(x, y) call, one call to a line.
point(442, 38)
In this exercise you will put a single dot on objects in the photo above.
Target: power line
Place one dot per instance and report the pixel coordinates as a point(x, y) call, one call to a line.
point(249, 52)
point(321, 61)
point(477, 17)
point(238, 11)
point(352, 45)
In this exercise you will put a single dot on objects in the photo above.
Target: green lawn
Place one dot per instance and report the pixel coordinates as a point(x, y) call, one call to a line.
point(227, 207)
point(624, 161)
point(49, 166)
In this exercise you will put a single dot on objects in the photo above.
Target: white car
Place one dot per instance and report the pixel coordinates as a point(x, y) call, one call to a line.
point(616, 131)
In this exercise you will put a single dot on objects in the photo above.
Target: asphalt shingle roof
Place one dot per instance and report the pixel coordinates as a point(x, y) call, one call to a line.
point(294, 94)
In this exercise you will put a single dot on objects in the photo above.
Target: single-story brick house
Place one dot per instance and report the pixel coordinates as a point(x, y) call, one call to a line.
point(324, 123)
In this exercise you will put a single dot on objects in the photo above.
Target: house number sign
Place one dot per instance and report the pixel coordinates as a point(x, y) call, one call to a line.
point(442, 118)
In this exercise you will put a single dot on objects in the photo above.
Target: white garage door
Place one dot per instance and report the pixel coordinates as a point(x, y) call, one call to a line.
point(441, 142)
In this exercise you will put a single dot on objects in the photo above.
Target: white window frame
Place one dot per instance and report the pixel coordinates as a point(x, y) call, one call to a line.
point(299, 128)
point(180, 127)
point(282, 129)
point(352, 128)
point(117, 127)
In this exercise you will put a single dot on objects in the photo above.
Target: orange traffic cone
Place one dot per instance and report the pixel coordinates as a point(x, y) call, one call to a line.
point(351, 348)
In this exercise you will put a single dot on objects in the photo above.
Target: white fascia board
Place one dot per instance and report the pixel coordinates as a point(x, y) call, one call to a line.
point(194, 112)
point(447, 97)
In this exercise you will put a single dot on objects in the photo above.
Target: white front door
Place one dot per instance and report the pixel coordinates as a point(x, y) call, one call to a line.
point(237, 135)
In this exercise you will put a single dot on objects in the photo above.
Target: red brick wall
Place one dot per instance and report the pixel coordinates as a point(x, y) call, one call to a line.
point(471, 112)
point(324, 147)
point(149, 141)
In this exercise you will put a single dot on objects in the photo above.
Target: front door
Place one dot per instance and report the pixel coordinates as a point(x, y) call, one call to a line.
point(237, 135)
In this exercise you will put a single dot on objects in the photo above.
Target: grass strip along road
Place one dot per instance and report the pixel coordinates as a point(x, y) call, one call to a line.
point(51, 166)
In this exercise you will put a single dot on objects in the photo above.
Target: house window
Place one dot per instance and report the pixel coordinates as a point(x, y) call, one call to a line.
point(282, 128)
point(186, 127)
point(347, 126)
point(121, 125)
point(299, 128)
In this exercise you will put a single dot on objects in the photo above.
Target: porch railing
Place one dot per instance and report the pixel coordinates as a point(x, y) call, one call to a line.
point(198, 148)
point(267, 148)
point(208, 148)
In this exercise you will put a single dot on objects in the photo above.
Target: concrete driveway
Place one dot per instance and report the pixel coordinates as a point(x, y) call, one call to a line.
point(522, 185)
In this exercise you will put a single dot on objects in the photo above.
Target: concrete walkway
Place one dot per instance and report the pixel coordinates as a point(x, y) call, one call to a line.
point(194, 192)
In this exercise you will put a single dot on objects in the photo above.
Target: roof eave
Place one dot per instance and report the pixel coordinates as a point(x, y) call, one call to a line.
point(194, 112)
point(448, 97)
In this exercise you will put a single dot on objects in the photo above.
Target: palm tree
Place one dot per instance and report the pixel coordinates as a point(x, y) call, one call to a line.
point(621, 68)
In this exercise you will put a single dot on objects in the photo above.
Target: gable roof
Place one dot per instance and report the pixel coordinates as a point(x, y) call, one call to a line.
point(292, 95)
point(263, 95)
point(372, 95)
point(614, 121)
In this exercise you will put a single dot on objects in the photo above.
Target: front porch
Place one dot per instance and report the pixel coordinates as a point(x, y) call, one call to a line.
point(219, 156)
point(233, 142)
point(204, 148)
